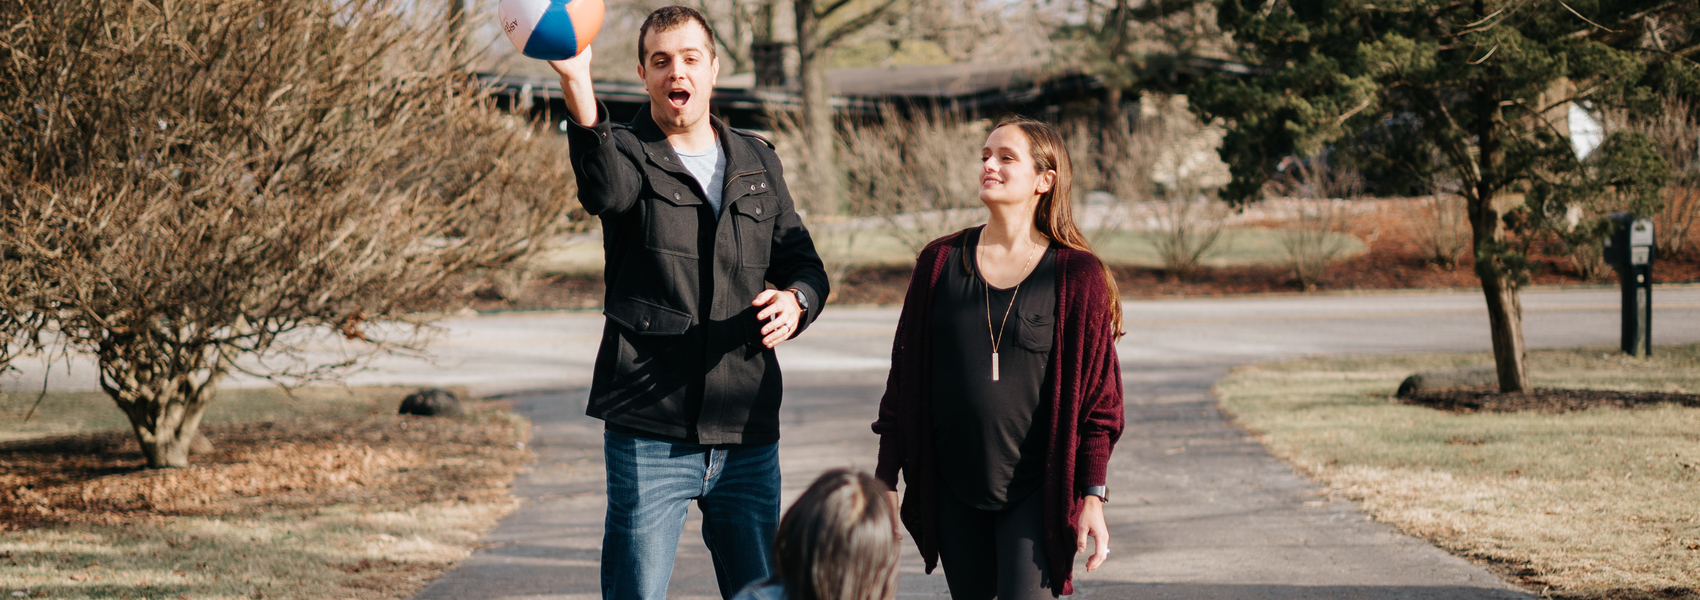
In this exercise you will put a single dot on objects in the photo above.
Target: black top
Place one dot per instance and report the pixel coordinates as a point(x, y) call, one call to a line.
point(681, 357)
point(989, 452)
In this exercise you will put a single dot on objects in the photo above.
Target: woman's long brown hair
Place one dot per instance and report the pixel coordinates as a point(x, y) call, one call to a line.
point(839, 540)
point(1054, 218)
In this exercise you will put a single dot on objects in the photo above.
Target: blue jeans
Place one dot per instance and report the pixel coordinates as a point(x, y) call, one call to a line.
point(651, 484)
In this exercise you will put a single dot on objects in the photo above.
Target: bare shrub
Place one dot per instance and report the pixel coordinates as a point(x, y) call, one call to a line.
point(1443, 226)
point(1116, 161)
point(1129, 153)
point(1588, 260)
point(918, 172)
point(1155, 166)
point(1190, 222)
point(200, 187)
point(1081, 137)
point(1675, 131)
point(836, 236)
point(1313, 239)
point(1191, 216)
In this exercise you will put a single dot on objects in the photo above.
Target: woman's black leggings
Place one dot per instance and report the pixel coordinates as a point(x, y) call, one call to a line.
point(993, 553)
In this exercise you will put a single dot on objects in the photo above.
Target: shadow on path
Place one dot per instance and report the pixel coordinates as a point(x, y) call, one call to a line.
point(1198, 510)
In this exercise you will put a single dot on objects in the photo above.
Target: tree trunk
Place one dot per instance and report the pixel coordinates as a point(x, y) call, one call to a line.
point(1505, 323)
point(1505, 309)
point(1112, 142)
point(1487, 224)
point(816, 117)
point(164, 405)
point(167, 448)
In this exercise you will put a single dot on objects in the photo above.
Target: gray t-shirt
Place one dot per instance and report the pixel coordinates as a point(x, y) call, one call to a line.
point(709, 168)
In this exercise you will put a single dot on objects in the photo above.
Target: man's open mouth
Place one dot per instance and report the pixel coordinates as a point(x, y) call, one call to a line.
point(678, 98)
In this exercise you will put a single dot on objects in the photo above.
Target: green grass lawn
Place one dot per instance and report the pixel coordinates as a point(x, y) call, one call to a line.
point(1603, 503)
point(1238, 247)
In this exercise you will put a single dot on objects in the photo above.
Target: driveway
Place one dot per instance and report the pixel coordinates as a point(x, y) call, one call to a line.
point(1198, 509)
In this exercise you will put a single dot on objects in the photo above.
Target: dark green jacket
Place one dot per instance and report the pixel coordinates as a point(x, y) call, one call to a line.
point(681, 354)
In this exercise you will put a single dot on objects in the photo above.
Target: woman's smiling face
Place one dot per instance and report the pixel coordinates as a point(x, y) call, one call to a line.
point(1007, 174)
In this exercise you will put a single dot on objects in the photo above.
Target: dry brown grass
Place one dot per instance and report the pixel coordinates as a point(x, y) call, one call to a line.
point(348, 504)
point(1596, 504)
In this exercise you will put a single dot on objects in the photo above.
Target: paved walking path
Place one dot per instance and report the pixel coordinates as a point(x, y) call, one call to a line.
point(1198, 509)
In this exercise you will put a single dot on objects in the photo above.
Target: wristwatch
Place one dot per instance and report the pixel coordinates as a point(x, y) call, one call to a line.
point(1102, 492)
point(802, 299)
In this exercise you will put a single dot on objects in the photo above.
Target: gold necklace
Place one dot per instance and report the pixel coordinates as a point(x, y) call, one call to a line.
point(998, 335)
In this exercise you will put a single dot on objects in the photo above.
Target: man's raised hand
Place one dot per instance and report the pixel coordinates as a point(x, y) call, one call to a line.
point(576, 87)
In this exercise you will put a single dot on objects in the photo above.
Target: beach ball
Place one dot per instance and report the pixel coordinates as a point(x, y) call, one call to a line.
point(550, 29)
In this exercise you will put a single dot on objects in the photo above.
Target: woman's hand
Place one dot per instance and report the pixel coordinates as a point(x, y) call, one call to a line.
point(1092, 523)
point(896, 505)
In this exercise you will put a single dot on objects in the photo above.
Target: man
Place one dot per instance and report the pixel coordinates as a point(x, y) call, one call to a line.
point(696, 220)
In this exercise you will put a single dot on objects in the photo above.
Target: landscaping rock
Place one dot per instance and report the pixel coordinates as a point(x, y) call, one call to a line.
point(1451, 379)
point(431, 402)
point(200, 444)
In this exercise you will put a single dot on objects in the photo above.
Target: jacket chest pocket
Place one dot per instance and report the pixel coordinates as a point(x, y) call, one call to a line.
point(1035, 332)
point(674, 218)
point(753, 221)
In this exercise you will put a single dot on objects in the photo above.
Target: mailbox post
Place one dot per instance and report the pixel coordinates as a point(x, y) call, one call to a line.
point(1630, 252)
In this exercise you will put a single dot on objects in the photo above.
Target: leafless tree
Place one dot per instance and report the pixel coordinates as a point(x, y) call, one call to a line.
point(820, 27)
point(1190, 222)
point(916, 173)
point(1443, 225)
point(1151, 164)
point(1123, 42)
point(196, 188)
point(1314, 239)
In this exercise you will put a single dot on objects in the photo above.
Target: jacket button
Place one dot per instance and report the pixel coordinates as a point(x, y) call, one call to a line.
point(675, 195)
point(643, 324)
point(752, 188)
point(764, 184)
point(758, 210)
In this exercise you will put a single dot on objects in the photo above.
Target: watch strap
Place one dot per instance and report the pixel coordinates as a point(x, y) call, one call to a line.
point(1102, 492)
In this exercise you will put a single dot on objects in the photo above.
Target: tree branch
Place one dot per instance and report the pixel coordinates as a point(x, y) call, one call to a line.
point(854, 25)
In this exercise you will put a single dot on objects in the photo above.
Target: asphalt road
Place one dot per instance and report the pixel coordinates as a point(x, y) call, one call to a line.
point(1198, 509)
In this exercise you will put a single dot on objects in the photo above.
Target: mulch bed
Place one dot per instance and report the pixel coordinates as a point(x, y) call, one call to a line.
point(383, 461)
point(1543, 400)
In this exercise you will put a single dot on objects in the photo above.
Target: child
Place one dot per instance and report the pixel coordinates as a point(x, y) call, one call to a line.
point(837, 542)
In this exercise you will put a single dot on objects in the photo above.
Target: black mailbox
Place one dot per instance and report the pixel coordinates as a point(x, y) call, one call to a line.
point(1629, 250)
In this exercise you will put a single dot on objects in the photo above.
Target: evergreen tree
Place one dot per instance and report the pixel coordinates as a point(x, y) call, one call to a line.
point(1478, 91)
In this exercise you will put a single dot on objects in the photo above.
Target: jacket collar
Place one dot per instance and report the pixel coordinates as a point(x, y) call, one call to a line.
point(741, 159)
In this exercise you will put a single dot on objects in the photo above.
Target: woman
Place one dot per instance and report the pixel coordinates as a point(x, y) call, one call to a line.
point(837, 542)
point(1004, 398)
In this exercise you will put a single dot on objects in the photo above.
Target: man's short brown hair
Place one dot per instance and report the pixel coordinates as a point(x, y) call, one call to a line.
point(668, 18)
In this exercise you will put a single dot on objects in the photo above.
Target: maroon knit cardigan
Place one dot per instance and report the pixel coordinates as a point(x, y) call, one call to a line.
point(1081, 407)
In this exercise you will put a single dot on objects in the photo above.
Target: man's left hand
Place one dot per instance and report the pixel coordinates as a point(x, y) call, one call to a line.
point(781, 315)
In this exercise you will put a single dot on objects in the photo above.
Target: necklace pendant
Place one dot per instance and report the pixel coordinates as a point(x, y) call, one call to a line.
point(994, 366)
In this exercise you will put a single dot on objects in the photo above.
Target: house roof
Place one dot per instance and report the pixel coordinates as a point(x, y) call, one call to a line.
point(985, 88)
